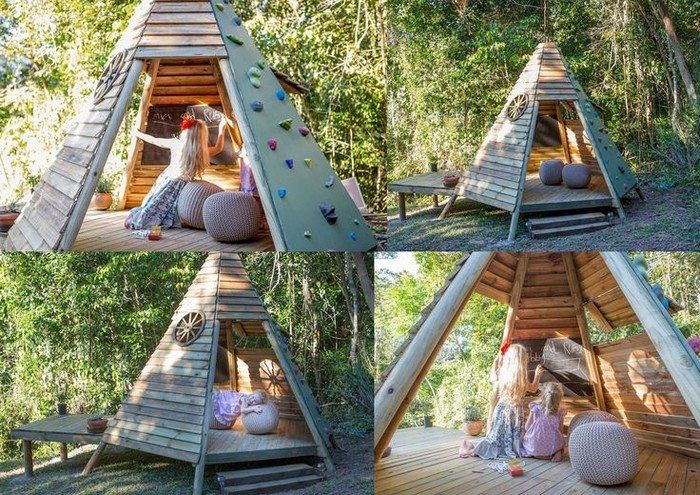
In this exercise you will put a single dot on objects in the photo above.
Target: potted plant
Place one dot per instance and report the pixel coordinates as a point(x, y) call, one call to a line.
point(473, 421)
point(61, 398)
point(102, 199)
point(8, 215)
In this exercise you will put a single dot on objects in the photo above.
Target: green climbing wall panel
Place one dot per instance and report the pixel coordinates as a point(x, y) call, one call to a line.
point(620, 175)
point(297, 174)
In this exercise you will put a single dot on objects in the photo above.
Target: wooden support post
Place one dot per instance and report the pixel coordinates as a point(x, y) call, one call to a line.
point(591, 360)
point(599, 317)
point(523, 173)
point(563, 135)
point(515, 216)
point(232, 365)
point(64, 452)
point(93, 460)
point(28, 458)
point(253, 155)
point(433, 168)
point(396, 393)
point(402, 206)
point(514, 304)
point(447, 207)
point(670, 343)
point(141, 120)
point(101, 154)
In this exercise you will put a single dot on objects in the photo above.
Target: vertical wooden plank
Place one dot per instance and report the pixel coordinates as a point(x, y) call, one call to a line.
point(518, 282)
point(28, 458)
point(523, 172)
point(562, 133)
point(64, 452)
point(402, 206)
point(232, 366)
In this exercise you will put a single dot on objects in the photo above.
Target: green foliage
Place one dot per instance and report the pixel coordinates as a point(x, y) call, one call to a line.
point(449, 73)
point(106, 184)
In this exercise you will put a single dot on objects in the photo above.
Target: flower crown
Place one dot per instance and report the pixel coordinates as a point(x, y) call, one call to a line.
point(188, 121)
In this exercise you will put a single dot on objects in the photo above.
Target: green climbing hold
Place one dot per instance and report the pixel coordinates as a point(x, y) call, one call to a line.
point(235, 39)
point(355, 221)
point(308, 162)
point(307, 234)
point(261, 63)
point(254, 72)
point(255, 81)
point(286, 124)
point(220, 6)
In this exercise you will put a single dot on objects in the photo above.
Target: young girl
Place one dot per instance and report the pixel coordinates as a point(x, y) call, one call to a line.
point(504, 437)
point(189, 156)
point(229, 405)
point(543, 432)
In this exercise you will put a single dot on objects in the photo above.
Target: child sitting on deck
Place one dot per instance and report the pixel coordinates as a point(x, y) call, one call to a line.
point(543, 431)
point(504, 436)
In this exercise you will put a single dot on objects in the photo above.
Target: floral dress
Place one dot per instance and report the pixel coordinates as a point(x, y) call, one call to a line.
point(504, 439)
point(543, 436)
point(227, 405)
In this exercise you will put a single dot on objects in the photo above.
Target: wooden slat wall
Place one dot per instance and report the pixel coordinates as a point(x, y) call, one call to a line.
point(640, 391)
point(553, 81)
point(43, 220)
point(237, 299)
point(497, 280)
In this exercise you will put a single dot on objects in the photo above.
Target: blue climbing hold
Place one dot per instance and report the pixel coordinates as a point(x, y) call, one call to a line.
point(236, 20)
point(257, 106)
point(289, 162)
point(353, 235)
point(329, 182)
point(280, 94)
point(282, 192)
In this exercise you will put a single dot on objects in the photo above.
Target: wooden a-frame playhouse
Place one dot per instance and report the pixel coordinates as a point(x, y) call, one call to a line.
point(547, 115)
point(191, 53)
point(169, 408)
point(650, 381)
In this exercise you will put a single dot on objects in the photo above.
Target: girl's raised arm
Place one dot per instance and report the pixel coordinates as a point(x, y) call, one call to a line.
point(160, 142)
point(535, 385)
point(219, 146)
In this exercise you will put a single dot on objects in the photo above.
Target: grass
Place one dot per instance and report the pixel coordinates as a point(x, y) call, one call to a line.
point(668, 220)
point(128, 472)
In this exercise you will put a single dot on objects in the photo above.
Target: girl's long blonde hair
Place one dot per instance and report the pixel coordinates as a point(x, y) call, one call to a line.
point(195, 150)
point(512, 377)
point(552, 394)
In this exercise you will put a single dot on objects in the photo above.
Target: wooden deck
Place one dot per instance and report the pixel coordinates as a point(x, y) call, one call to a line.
point(104, 231)
point(224, 446)
point(425, 462)
point(538, 197)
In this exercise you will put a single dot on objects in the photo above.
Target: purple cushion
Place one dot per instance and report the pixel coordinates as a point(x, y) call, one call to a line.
point(550, 172)
point(576, 175)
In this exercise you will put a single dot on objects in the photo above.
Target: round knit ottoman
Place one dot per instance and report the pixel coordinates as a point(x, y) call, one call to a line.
point(263, 422)
point(231, 216)
point(585, 417)
point(576, 175)
point(191, 201)
point(603, 453)
point(550, 172)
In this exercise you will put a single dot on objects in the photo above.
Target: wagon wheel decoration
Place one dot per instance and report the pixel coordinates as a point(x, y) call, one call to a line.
point(189, 328)
point(272, 377)
point(517, 106)
point(109, 76)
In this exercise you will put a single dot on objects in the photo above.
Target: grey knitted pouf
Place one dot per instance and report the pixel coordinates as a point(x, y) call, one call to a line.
point(263, 422)
point(231, 216)
point(191, 201)
point(576, 175)
point(604, 453)
point(585, 417)
point(550, 172)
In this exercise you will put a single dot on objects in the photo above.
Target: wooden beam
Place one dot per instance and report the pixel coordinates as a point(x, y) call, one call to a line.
point(447, 207)
point(232, 364)
point(515, 293)
point(603, 323)
point(226, 105)
point(28, 458)
point(397, 391)
point(141, 121)
point(591, 362)
point(670, 343)
point(208, 410)
point(563, 134)
point(101, 154)
point(64, 452)
point(523, 173)
point(93, 459)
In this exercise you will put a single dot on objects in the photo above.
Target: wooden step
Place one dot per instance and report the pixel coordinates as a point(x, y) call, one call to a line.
point(565, 220)
point(257, 475)
point(271, 486)
point(571, 230)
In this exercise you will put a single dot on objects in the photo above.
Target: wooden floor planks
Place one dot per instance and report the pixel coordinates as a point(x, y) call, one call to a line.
point(425, 462)
point(538, 197)
point(104, 231)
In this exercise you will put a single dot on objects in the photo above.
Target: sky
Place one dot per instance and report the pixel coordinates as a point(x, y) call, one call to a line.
point(404, 262)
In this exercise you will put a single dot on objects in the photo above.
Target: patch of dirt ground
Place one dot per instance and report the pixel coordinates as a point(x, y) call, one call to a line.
point(669, 220)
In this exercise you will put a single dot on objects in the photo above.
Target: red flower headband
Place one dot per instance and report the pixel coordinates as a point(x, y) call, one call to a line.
point(187, 121)
point(505, 347)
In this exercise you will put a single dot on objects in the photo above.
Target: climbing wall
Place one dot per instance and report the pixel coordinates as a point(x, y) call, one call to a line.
point(304, 195)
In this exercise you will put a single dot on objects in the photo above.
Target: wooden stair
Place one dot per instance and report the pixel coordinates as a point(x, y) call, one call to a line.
point(269, 479)
point(541, 228)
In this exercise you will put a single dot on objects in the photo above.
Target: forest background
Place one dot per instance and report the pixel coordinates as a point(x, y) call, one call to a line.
point(51, 57)
point(452, 63)
point(459, 377)
point(84, 324)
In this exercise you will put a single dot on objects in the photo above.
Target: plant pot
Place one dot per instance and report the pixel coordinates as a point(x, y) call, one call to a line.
point(62, 408)
point(7, 220)
point(101, 201)
point(96, 425)
point(473, 428)
point(450, 180)
point(427, 421)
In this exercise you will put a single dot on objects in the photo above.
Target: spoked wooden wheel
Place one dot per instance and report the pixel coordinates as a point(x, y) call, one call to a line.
point(189, 328)
point(109, 76)
point(517, 106)
point(272, 377)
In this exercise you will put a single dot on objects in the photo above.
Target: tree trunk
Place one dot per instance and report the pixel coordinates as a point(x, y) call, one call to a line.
point(677, 52)
point(316, 347)
point(365, 281)
point(355, 314)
